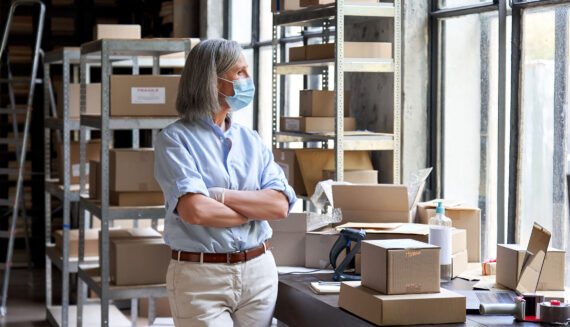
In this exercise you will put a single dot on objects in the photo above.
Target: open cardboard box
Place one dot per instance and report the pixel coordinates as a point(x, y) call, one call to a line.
point(381, 203)
point(387, 231)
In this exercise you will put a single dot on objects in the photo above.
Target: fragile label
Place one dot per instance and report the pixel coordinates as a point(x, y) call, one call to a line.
point(148, 95)
point(292, 124)
point(75, 170)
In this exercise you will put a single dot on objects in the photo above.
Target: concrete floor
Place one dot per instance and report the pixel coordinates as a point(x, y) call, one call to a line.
point(26, 299)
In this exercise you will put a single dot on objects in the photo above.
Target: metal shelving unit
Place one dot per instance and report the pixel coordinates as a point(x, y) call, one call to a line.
point(338, 15)
point(98, 278)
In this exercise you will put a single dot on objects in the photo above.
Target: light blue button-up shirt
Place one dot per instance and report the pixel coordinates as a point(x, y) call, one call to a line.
point(192, 157)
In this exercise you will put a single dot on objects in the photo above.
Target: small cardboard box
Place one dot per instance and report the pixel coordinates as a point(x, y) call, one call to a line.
point(90, 244)
point(459, 263)
point(314, 124)
point(458, 240)
point(287, 160)
point(134, 199)
point(360, 176)
point(318, 246)
point(297, 53)
point(510, 258)
point(93, 152)
point(94, 180)
point(161, 307)
point(132, 170)
point(288, 241)
point(143, 95)
point(374, 203)
point(400, 266)
point(462, 216)
point(351, 50)
point(129, 233)
point(294, 223)
point(284, 5)
point(129, 261)
point(93, 100)
point(117, 31)
point(357, 263)
point(319, 103)
point(406, 309)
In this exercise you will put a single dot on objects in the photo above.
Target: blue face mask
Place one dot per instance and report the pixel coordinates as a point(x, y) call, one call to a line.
point(244, 91)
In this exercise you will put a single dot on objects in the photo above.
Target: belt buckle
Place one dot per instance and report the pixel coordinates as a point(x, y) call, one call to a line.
point(228, 254)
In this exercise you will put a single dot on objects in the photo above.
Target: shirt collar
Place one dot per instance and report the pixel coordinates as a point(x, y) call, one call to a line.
point(210, 122)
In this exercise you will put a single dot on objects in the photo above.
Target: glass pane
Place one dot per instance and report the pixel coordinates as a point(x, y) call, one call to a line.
point(265, 21)
point(543, 162)
point(240, 30)
point(245, 115)
point(468, 101)
point(460, 3)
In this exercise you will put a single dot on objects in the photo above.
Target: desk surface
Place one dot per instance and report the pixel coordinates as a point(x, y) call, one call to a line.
point(298, 306)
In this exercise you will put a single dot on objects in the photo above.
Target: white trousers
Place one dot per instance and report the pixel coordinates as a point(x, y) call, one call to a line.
point(219, 294)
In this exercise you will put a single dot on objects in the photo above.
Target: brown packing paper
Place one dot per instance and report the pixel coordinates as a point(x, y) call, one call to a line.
point(313, 161)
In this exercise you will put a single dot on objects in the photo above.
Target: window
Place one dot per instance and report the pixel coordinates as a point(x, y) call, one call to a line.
point(468, 94)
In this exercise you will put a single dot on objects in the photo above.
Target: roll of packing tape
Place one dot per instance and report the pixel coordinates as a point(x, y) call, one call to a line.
point(532, 302)
point(554, 312)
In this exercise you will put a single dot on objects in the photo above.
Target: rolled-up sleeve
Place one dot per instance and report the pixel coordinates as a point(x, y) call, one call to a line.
point(175, 170)
point(273, 177)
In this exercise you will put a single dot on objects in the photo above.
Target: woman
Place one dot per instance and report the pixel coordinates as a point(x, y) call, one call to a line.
point(220, 185)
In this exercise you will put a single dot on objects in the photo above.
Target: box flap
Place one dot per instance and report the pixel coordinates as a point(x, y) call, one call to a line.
point(370, 226)
point(295, 222)
point(401, 244)
point(415, 229)
point(534, 259)
point(372, 203)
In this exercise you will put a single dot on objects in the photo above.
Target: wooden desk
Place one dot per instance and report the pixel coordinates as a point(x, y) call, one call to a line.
point(298, 306)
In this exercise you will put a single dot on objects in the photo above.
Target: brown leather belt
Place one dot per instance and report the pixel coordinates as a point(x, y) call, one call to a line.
point(233, 257)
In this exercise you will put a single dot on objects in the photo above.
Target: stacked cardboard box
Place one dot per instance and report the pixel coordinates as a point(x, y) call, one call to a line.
point(288, 241)
point(317, 113)
point(143, 95)
point(510, 258)
point(129, 184)
point(459, 256)
point(93, 152)
point(395, 274)
point(117, 31)
point(90, 244)
point(374, 50)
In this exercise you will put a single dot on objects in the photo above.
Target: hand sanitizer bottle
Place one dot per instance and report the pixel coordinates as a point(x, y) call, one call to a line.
point(440, 235)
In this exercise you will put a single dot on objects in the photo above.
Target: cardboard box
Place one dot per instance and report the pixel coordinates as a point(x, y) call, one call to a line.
point(373, 203)
point(288, 241)
point(458, 240)
point(406, 309)
point(462, 216)
point(94, 180)
point(93, 100)
point(284, 5)
point(314, 124)
point(390, 231)
point(361, 176)
point(319, 103)
point(133, 199)
point(287, 160)
point(307, 3)
point(318, 246)
point(90, 244)
point(132, 170)
point(129, 261)
point(117, 31)
point(313, 161)
point(459, 263)
point(297, 53)
point(357, 263)
point(400, 266)
point(129, 234)
point(143, 95)
point(510, 258)
point(93, 152)
point(161, 307)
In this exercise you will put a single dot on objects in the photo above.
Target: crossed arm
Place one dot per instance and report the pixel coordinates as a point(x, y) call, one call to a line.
point(238, 207)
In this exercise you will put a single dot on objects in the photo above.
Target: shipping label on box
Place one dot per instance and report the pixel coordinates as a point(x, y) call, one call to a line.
point(405, 309)
point(400, 266)
point(143, 95)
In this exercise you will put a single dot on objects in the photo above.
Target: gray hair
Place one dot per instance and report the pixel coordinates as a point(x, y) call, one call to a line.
point(198, 89)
